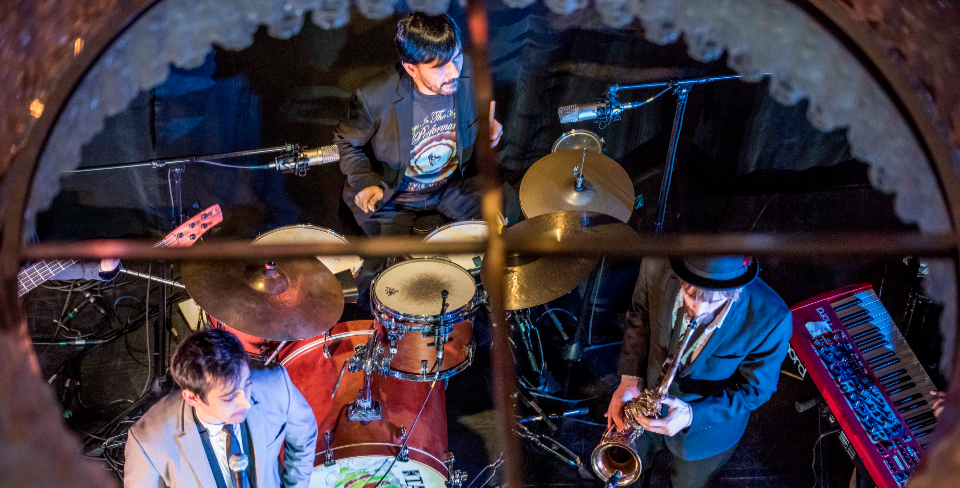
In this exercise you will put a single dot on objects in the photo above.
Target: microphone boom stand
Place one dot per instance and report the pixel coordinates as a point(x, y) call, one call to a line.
point(681, 88)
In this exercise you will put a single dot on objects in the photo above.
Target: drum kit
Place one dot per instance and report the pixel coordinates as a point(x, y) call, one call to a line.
point(288, 311)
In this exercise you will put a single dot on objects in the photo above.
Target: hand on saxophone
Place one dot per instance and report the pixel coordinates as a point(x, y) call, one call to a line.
point(628, 390)
point(679, 417)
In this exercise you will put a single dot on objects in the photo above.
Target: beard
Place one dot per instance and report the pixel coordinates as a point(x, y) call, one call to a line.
point(448, 88)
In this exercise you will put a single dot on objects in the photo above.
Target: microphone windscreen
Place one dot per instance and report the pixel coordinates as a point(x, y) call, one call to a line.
point(238, 462)
point(569, 114)
point(321, 155)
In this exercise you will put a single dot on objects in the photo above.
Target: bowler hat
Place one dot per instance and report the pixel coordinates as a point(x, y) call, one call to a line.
point(718, 272)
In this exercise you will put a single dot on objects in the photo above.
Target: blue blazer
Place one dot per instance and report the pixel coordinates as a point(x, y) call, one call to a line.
point(736, 371)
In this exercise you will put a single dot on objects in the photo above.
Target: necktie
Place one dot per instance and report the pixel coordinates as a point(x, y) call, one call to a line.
point(234, 447)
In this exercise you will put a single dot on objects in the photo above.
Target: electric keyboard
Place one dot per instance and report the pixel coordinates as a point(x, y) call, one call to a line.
point(871, 380)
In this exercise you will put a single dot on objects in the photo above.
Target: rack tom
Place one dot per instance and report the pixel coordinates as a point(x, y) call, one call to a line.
point(407, 300)
point(579, 139)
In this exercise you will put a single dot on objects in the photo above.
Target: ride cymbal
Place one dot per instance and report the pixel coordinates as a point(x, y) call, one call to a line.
point(290, 299)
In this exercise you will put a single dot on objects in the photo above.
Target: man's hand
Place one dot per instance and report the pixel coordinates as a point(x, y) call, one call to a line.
point(628, 390)
point(496, 130)
point(679, 416)
point(941, 401)
point(368, 197)
point(107, 265)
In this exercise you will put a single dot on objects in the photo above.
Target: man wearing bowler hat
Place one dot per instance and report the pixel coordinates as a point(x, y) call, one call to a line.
point(729, 369)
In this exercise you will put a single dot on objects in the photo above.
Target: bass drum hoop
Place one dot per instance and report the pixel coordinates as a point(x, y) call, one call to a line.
point(578, 132)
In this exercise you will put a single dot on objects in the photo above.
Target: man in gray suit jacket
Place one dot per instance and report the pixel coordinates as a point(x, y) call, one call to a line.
point(225, 408)
point(730, 368)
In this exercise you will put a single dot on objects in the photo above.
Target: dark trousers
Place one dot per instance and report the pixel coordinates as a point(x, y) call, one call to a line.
point(457, 200)
point(686, 474)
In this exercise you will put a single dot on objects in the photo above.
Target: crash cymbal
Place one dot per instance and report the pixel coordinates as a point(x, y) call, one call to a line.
point(535, 280)
point(550, 185)
point(288, 300)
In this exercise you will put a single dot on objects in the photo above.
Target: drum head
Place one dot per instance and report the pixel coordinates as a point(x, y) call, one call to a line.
point(467, 231)
point(309, 234)
point(579, 139)
point(359, 472)
point(414, 287)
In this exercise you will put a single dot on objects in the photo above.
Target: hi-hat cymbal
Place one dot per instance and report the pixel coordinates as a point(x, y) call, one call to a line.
point(299, 298)
point(535, 280)
point(550, 185)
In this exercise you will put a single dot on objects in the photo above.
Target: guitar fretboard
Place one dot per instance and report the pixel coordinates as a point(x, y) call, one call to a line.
point(31, 276)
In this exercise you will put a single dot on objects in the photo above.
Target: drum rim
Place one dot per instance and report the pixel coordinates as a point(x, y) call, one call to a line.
point(388, 444)
point(455, 224)
point(397, 315)
point(440, 375)
point(303, 226)
point(573, 132)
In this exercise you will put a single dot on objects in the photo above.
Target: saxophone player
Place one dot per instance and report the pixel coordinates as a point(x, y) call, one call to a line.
point(730, 367)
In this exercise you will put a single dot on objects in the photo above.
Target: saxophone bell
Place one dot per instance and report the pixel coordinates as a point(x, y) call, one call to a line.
point(616, 455)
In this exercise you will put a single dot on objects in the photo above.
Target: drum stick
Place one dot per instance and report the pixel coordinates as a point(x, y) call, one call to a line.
point(493, 108)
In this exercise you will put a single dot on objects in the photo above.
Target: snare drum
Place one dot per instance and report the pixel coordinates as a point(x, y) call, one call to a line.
point(470, 230)
point(407, 300)
point(357, 450)
point(579, 139)
point(309, 234)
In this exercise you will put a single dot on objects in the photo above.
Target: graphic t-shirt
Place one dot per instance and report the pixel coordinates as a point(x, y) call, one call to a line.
point(433, 154)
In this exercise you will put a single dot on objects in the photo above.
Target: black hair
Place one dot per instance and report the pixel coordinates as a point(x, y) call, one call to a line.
point(206, 359)
point(423, 38)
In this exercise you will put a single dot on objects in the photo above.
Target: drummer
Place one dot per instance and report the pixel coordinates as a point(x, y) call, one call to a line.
point(419, 124)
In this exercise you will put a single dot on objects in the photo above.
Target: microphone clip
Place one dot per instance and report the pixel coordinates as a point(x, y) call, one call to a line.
point(293, 160)
point(610, 110)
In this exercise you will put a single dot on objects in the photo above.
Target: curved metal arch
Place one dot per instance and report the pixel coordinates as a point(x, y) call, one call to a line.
point(21, 172)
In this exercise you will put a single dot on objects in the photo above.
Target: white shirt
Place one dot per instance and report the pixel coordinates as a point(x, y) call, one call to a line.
point(692, 354)
point(694, 351)
point(218, 438)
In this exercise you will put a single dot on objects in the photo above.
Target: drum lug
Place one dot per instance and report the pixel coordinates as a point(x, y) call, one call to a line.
point(423, 367)
point(328, 454)
point(404, 455)
point(326, 345)
point(457, 477)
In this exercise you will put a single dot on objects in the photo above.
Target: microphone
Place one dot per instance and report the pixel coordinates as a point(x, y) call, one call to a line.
point(238, 464)
point(299, 161)
point(570, 114)
point(607, 113)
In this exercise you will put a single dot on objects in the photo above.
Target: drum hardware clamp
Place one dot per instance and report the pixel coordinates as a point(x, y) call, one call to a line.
point(369, 359)
point(328, 454)
point(457, 476)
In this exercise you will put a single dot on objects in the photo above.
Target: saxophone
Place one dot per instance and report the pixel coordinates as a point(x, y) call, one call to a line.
point(616, 454)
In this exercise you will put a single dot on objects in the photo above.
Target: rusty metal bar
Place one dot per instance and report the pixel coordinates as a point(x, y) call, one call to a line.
point(504, 369)
point(866, 245)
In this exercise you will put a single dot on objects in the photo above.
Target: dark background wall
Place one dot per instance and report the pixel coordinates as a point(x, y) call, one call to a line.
point(740, 152)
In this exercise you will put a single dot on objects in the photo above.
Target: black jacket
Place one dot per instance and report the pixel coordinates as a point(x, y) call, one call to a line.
point(375, 136)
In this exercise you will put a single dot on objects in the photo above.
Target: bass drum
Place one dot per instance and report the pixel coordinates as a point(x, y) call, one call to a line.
point(579, 139)
point(361, 452)
point(258, 348)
